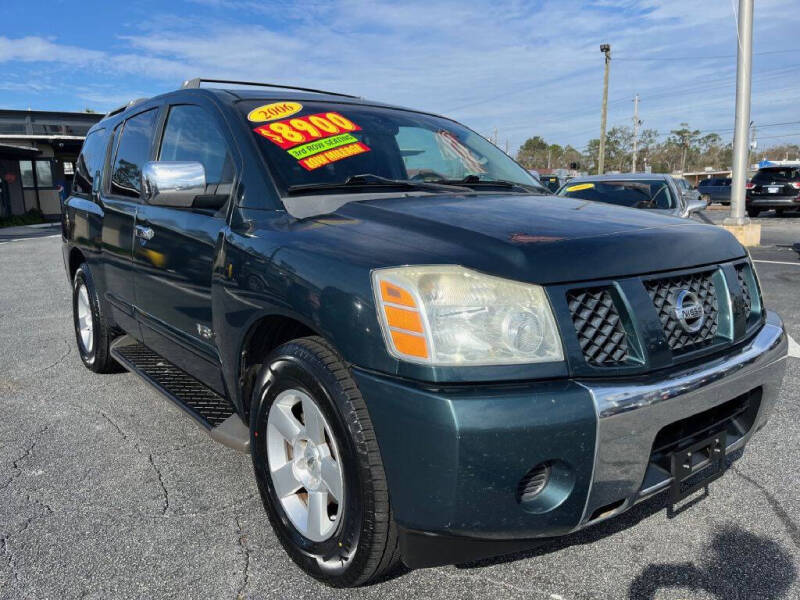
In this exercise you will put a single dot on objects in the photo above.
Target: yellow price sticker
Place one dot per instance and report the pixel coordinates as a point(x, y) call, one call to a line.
point(579, 187)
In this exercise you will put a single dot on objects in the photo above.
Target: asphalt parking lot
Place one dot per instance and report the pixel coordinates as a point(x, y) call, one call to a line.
point(107, 490)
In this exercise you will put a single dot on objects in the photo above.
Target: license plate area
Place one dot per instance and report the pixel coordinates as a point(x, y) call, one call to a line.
point(707, 457)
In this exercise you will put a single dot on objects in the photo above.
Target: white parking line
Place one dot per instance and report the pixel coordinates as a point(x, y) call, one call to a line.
point(794, 347)
point(38, 237)
point(777, 262)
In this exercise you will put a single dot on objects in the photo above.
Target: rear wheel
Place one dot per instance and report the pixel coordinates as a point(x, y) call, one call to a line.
point(753, 212)
point(318, 466)
point(92, 332)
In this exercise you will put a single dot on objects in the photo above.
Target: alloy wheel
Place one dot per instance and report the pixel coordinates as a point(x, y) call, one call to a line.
point(85, 323)
point(304, 464)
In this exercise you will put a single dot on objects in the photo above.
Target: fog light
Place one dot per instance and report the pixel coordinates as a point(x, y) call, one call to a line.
point(533, 483)
point(546, 486)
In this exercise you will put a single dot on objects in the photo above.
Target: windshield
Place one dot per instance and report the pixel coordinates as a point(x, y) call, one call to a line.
point(314, 144)
point(633, 193)
point(780, 174)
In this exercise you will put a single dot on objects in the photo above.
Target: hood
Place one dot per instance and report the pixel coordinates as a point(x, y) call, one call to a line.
point(540, 239)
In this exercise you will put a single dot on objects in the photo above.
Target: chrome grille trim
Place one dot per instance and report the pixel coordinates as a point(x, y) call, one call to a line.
point(662, 292)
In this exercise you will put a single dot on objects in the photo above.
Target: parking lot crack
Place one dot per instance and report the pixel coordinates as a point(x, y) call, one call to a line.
point(114, 424)
point(15, 464)
point(53, 364)
point(6, 551)
point(160, 482)
point(124, 435)
point(780, 512)
point(240, 594)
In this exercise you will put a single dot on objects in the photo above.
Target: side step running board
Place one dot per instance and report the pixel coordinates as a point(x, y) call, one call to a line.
point(211, 411)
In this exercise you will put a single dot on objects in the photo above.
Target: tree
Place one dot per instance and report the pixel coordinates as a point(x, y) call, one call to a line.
point(685, 138)
point(619, 147)
point(779, 152)
point(533, 153)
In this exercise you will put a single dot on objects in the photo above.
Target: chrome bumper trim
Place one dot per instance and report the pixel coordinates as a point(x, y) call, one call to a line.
point(629, 415)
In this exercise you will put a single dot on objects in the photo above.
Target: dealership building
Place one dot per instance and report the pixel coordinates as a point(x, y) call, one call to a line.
point(38, 150)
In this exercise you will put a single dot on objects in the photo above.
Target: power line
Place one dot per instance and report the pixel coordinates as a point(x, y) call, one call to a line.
point(555, 117)
point(718, 57)
point(770, 137)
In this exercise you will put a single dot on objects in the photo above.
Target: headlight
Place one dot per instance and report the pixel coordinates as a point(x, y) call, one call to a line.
point(449, 315)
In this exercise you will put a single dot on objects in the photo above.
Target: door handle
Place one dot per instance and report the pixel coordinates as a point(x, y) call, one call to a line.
point(144, 233)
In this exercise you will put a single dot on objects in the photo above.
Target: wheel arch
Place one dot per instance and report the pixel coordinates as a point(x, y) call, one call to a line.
point(76, 258)
point(264, 335)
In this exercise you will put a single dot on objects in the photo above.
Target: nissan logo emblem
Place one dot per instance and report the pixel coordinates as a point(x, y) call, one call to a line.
point(689, 311)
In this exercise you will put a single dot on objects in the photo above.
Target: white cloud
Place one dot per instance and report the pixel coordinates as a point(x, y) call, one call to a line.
point(526, 68)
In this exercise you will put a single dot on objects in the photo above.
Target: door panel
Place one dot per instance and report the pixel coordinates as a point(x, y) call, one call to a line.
point(117, 238)
point(120, 197)
point(175, 253)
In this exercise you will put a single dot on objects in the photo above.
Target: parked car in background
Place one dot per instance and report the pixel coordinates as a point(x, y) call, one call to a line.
point(774, 188)
point(551, 182)
point(656, 192)
point(718, 189)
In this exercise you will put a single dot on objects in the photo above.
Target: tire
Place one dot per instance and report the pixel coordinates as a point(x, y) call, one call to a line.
point(753, 212)
point(93, 341)
point(361, 543)
point(778, 212)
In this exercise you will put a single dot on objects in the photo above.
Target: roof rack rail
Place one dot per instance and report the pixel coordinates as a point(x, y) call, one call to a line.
point(118, 110)
point(198, 81)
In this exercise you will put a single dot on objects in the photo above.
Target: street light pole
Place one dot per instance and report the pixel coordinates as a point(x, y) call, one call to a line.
point(636, 123)
point(601, 159)
point(741, 142)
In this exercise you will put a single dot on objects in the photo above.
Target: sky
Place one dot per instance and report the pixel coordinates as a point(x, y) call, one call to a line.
point(523, 67)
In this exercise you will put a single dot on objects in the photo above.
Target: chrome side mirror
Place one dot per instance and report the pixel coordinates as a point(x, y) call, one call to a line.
point(173, 183)
point(695, 205)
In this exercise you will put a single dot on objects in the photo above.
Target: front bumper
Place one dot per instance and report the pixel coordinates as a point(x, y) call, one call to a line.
point(630, 416)
point(454, 456)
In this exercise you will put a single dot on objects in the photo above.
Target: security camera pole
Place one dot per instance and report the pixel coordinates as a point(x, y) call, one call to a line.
point(738, 223)
point(601, 159)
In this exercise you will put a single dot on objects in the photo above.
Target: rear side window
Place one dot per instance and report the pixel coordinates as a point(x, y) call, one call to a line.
point(133, 151)
point(191, 134)
point(90, 162)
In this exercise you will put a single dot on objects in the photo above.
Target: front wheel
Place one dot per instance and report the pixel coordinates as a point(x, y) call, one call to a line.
point(318, 466)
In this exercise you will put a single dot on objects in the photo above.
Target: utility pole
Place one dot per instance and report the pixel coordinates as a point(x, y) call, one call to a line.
point(744, 65)
point(636, 124)
point(601, 159)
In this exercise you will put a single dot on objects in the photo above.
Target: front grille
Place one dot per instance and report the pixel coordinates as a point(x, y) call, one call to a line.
point(597, 322)
point(663, 292)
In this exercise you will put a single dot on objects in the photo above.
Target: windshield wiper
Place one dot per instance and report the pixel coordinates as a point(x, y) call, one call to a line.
point(473, 181)
point(371, 180)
